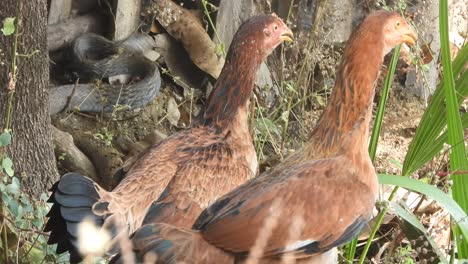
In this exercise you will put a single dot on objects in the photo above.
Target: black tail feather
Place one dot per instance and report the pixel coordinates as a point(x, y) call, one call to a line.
point(72, 197)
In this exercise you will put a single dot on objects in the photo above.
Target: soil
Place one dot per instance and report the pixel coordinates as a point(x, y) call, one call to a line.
point(402, 115)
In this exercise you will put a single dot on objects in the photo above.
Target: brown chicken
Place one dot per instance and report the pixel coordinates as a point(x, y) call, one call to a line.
point(326, 190)
point(176, 179)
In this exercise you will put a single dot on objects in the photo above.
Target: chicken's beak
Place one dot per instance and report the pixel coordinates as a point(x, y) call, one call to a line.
point(410, 37)
point(287, 36)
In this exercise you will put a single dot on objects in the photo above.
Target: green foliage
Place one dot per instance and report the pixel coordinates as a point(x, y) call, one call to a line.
point(21, 217)
point(442, 199)
point(431, 135)
point(404, 255)
point(106, 137)
point(265, 126)
point(5, 139)
point(6, 164)
point(413, 229)
point(220, 47)
point(432, 132)
point(8, 26)
point(458, 156)
point(22, 221)
point(383, 100)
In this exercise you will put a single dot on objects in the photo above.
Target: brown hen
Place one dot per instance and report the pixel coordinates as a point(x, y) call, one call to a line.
point(176, 179)
point(329, 186)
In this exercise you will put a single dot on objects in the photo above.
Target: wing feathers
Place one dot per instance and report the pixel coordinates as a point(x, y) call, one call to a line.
point(334, 215)
point(172, 245)
point(72, 198)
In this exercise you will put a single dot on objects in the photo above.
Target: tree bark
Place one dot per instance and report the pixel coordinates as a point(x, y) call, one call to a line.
point(31, 149)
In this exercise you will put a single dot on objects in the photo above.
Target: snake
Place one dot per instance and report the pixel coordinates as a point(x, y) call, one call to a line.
point(91, 60)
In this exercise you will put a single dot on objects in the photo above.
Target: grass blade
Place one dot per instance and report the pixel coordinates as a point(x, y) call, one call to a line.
point(383, 100)
point(432, 192)
point(458, 158)
point(434, 121)
point(413, 229)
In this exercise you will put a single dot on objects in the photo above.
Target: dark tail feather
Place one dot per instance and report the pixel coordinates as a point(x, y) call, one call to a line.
point(164, 243)
point(72, 197)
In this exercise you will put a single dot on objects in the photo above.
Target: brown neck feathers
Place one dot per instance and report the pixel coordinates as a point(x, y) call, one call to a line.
point(235, 83)
point(345, 120)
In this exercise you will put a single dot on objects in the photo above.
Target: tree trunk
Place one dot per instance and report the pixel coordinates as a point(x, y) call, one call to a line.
point(31, 148)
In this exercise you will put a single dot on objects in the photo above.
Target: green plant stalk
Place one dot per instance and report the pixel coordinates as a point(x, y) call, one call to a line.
point(458, 158)
point(9, 114)
point(4, 241)
point(452, 248)
point(289, 98)
point(286, 122)
point(351, 250)
point(378, 222)
point(383, 100)
point(207, 13)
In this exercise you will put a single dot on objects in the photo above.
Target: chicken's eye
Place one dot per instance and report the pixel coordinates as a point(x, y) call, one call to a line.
point(397, 24)
point(275, 27)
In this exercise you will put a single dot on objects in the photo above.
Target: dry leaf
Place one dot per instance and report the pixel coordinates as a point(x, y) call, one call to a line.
point(184, 26)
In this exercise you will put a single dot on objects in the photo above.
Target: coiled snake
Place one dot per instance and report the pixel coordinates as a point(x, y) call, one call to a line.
point(94, 58)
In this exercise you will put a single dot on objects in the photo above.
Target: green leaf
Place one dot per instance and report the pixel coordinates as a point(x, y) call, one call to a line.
point(403, 212)
point(458, 155)
point(266, 126)
point(5, 139)
point(290, 88)
point(444, 200)
point(37, 222)
point(425, 144)
point(44, 197)
point(7, 165)
point(8, 26)
point(28, 208)
point(383, 100)
point(14, 187)
point(24, 199)
point(36, 255)
point(13, 206)
point(20, 213)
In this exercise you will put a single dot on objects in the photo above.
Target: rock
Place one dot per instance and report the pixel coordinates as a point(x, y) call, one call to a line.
point(338, 23)
point(427, 21)
point(69, 156)
point(106, 159)
point(62, 34)
point(427, 18)
point(173, 113)
point(59, 10)
point(127, 18)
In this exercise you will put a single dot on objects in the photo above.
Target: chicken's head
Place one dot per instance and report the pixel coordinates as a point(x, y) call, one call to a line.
point(395, 29)
point(262, 34)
